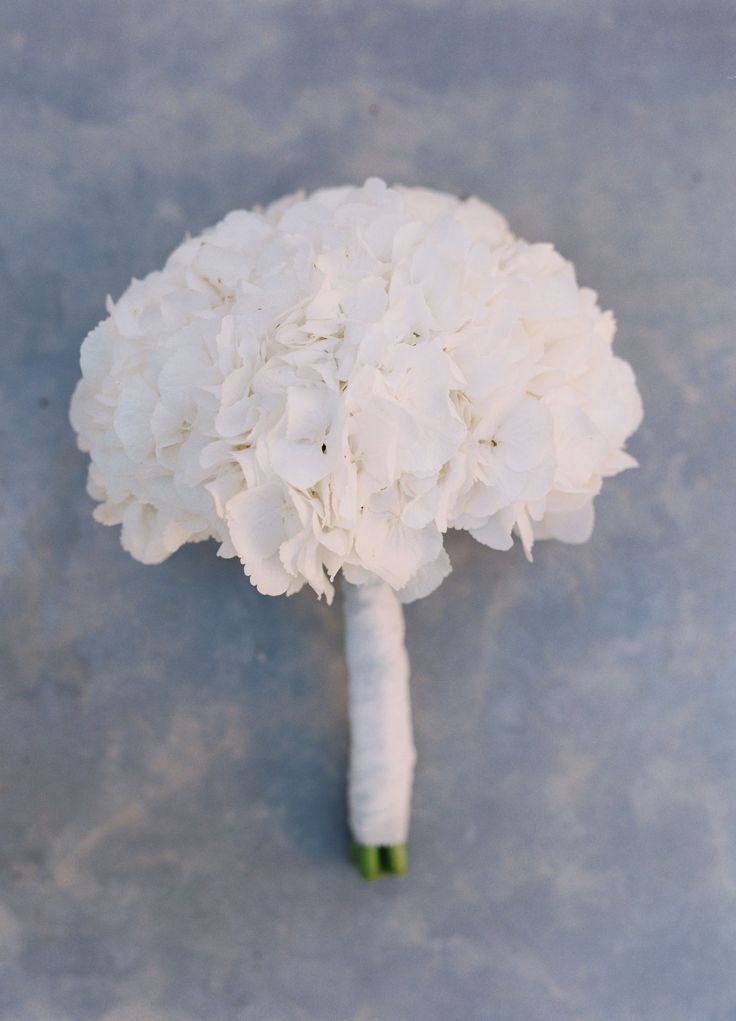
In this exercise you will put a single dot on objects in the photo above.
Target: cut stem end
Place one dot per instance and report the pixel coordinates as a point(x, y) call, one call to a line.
point(373, 860)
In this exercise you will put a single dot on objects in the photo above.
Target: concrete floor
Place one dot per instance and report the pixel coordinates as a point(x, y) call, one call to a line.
point(172, 745)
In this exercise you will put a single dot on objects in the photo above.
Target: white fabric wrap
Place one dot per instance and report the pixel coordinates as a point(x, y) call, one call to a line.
point(382, 753)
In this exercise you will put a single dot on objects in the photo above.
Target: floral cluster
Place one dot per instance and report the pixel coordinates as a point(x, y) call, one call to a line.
point(332, 382)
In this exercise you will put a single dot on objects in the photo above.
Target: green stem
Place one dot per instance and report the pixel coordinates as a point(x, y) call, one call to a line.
point(395, 859)
point(373, 860)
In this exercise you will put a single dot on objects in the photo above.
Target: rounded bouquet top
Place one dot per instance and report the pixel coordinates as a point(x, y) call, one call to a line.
point(335, 380)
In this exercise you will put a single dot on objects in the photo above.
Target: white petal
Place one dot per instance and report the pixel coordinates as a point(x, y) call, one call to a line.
point(618, 461)
point(575, 526)
point(132, 421)
point(238, 410)
point(427, 579)
point(256, 522)
point(141, 534)
point(496, 532)
point(391, 550)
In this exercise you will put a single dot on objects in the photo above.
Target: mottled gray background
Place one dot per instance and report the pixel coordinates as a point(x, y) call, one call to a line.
point(172, 745)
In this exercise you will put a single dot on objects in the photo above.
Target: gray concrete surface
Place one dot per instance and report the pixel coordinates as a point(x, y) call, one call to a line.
point(172, 745)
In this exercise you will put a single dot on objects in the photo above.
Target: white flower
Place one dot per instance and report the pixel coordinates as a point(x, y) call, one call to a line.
point(333, 382)
point(260, 521)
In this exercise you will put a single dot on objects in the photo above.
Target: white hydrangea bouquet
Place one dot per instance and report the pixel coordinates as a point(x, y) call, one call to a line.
point(328, 385)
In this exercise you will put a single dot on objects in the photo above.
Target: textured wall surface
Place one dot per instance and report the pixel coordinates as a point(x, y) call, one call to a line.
point(172, 745)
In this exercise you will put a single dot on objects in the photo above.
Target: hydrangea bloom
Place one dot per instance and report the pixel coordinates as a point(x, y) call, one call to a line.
point(334, 381)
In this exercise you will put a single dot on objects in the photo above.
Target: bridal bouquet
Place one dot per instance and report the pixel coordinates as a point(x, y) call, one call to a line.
point(326, 386)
